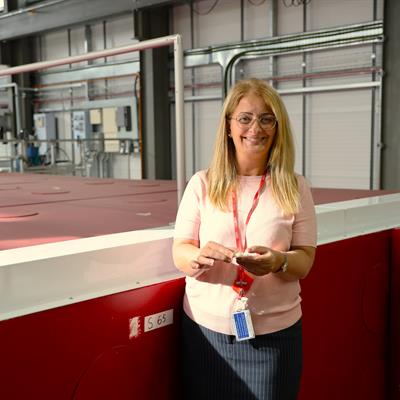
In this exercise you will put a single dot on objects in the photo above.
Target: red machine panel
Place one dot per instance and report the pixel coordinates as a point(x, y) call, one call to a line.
point(84, 351)
point(395, 317)
point(345, 320)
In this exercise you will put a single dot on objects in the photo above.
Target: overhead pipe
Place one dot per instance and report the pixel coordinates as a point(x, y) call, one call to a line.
point(229, 54)
point(350, 33)
point(31, 9)
point(229, 67)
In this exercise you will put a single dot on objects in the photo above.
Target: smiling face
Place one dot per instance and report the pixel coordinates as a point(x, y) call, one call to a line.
point(252, 131)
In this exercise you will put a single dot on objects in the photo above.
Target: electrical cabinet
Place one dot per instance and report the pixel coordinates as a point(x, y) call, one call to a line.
point(80, 125)
point(45, 129)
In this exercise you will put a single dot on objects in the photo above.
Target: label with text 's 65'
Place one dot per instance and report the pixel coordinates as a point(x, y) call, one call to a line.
point(158, 320)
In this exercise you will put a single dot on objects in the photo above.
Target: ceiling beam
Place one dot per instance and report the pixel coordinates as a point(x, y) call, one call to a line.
point(56, 14)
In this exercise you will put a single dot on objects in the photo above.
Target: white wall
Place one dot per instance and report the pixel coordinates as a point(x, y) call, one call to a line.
point(338, 124)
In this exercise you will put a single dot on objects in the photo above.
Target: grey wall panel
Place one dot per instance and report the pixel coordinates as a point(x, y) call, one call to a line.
point(339, 139)
point(206, 122)
point(293, 105)
point(329, 13)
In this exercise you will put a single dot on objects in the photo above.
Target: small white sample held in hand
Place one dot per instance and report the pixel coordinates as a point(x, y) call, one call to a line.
point(239, 254)
point(244, 254)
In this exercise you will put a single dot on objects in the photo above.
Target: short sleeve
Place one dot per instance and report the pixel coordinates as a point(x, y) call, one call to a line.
point(304, 230)
point(187, 222)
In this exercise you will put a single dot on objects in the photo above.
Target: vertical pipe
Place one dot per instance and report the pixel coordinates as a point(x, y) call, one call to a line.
point(70, 113)
point(179, 116)
point(193, 92)
point(17, 109)
point(52, 154)
point(105, 58)
point(23, 152)
point(304, 99)
point(372, 135)
point(88, 49)
point(373, 110)
point(18, 125)
point(101, 161)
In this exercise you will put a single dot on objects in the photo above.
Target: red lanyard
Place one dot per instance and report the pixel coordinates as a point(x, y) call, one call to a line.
point(243, 280)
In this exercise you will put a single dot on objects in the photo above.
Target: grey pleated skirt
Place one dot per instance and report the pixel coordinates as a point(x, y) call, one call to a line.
point(216, 366)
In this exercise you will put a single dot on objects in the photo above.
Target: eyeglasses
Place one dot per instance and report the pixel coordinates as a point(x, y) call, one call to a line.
point(266, 121)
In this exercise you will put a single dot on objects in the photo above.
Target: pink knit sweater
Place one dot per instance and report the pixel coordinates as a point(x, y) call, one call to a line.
point(209, 298)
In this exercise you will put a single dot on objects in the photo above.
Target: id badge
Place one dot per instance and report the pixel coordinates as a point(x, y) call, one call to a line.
point(242, 325)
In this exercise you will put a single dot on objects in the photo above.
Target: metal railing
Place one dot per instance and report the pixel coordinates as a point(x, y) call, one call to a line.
point(174, 40)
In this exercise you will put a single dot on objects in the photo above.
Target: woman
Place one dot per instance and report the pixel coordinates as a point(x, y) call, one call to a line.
point(245, 234)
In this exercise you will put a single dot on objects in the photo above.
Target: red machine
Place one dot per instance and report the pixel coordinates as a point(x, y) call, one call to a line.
point(90, 302)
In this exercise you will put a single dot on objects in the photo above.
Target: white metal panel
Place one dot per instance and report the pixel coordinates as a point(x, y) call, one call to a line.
point(294, 107)
point(78, 44)
point(189, 136)
point(47, 276)
point(181, 25)
point(339, 80)
point(380, 9)
point(340, 58)
point(120, 32)
point(5, 151)
point(190, 169)
point(221, 25)
point(255, 68)
point(325, 14)
point(254, 26)
point(329, 13)
point(126, 166)
point(98, 42)
point(98, 37)
point(339, 139)
point(288, 66)
point(340, 66)
point(346, 219)
point(64, 132)
point(289, 19)
point(108, 88)
point(255, 19)
point(206, 120)
point(208, 79)
point(54, 45)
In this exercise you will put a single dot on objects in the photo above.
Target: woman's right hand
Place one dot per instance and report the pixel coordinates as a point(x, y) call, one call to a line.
point(193, 260)
point(210, 253)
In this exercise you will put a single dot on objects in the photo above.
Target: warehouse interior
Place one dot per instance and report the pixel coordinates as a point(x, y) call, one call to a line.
point(98, 138)
point(77, 109)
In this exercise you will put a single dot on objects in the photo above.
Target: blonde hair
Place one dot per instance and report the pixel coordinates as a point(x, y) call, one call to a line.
point(222, 173)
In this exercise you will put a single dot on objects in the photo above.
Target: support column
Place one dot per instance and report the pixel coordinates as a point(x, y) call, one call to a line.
point(154, 86)
point(390, 171)
point(14, 53)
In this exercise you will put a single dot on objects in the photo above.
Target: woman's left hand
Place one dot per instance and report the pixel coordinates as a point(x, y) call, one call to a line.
point(264, 261)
